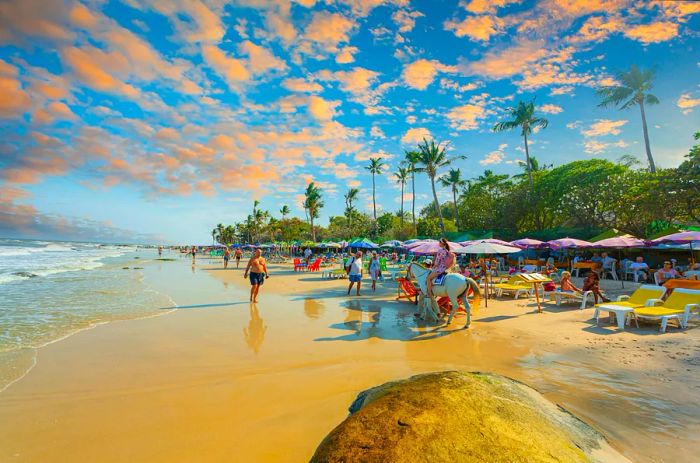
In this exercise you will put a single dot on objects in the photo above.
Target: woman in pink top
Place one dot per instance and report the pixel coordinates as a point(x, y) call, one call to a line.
point(444, 260)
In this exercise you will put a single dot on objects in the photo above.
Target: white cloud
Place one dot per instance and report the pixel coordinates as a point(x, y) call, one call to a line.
point(416, 135)
point(551, 109)
point(494, 157)
point(686, 103)
point(604, 127)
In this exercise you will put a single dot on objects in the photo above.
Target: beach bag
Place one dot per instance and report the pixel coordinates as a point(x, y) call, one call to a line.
point(549, 286)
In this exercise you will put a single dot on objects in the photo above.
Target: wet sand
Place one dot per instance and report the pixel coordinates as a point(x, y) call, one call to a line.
point(221, 380)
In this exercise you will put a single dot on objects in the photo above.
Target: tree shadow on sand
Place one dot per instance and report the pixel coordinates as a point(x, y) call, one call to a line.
point(388, 320)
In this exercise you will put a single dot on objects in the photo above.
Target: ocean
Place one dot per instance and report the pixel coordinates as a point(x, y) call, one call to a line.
point(50, 290)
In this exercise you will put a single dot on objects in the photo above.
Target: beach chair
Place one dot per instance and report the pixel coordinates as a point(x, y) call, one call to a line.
point(515, 287)
point(645, 295)
point(299, 265)
point(315, 266)
point(407, 290)
point(609, 271)
point(678, 306)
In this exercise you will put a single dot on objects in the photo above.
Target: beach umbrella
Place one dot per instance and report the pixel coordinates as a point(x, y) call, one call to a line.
point(681, 238)
point(568, 243)
point(411, 241)
point(619, 243)
point(433, 247)
point(529, 243)
point(486, 247)
point(417, 243)
point(493, 241)
point(391, 244)
point(364, 243)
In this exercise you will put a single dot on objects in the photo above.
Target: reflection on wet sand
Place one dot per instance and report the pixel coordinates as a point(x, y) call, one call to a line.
point(255, 332)
point(314, 308)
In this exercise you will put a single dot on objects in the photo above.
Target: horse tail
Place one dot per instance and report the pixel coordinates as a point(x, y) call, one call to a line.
point(474, 287)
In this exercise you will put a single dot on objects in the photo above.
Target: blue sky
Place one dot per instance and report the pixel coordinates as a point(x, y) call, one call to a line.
point(131, 120)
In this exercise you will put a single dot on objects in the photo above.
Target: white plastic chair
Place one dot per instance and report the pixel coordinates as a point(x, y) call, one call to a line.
point(611, 271)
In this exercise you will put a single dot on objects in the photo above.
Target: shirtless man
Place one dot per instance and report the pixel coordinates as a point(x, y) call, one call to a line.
point(239, 253)
point(258, 272)
point(227, 256)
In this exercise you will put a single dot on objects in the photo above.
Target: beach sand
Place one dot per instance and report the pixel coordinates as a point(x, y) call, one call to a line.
point(221, 380)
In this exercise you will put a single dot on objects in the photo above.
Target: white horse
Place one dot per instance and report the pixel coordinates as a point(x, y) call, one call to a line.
point(455, 286)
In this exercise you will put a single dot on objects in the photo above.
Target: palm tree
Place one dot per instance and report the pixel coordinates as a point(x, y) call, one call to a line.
point(633, 90)
point(432, 158)
point(534, 167)
point(256, 203)
point(350, 197)
point(454, 180)
point(213, 236)
point(284, 211)
point(412, 159)
point(313, 204)
point(375, 167)
point(523, 116)
point(402, 177)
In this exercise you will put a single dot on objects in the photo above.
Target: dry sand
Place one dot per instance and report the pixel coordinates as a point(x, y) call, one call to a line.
point(221, 380)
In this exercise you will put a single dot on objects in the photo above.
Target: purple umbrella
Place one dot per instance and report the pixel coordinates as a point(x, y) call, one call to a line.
point(528, 243)
point(564, 243)
point(620, 242)
point(493, 241)
point(415, 244)
point(686, 237)
point(432, 247)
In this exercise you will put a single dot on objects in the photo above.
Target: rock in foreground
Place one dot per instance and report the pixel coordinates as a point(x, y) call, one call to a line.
point(460, 417)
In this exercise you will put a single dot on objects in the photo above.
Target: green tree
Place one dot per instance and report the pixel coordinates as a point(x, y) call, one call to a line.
point(284, 211)
point(411, 159)
point(313, 204)
point(454, 180)
point(350, 198)
point(523, 116)
point(633, 89)
point(432, 158)
point(401, 177)
point(687, 181)
point(375, 167)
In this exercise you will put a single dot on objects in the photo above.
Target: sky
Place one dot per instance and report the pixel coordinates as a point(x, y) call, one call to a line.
point(153, 121)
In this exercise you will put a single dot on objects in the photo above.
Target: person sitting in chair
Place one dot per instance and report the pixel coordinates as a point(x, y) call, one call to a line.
point(444, 260)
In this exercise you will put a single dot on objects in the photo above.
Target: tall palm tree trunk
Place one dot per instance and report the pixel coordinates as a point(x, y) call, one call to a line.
point(402, 184)
point(652, 166)
point(527, 160)
point(437, 205)
point(374, 202)
point(413, 199)
point(313, 232)
point(454, 199)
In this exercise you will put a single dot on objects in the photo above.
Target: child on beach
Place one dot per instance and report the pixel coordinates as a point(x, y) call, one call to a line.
point(374, 270)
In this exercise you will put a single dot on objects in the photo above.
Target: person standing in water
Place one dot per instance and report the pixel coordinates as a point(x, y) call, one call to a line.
point(258, 273)
point(239, 253)
point(355, 272)
point(160, 251)
point(227, 256)
point(374, 270)
point(194, 254)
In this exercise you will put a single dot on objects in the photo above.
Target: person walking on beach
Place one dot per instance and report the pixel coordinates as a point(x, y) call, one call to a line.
point(258, 273)
point(355, 273)
point(194, 254)
point(374, 270)
point(160, 251)
point(227, 256)
point(239, 253)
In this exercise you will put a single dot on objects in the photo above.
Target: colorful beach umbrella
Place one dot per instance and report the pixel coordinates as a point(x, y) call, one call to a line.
point(529, 243)
point(486, 247)
point(433, 247)
point(565, 243)
point(618, 242)
point(415, 244)
point(686, 237)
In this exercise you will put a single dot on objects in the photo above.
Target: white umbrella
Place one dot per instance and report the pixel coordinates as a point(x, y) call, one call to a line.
point(485, 247)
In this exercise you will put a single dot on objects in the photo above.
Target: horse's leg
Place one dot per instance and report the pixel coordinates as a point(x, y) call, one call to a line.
point(454, 300)
point(467, 307)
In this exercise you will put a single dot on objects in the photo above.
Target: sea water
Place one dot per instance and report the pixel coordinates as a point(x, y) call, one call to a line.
point(50, 290)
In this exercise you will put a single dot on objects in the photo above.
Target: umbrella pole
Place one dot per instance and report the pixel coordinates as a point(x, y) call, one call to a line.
point(619, 259)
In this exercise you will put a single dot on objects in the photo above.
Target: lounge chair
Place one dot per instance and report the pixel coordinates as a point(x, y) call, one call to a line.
point(559, 296)
point(407, 290)
point(678, 306)
point(299, 265)
point(516, 287)
point(315, 266)
point(645, 295)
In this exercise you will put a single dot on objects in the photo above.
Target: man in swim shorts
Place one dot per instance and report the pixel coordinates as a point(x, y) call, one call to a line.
point(258, 273)
point(227, 256)
point(239, 253)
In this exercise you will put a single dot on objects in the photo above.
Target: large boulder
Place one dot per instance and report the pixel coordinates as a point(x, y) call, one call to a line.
point(455, 416)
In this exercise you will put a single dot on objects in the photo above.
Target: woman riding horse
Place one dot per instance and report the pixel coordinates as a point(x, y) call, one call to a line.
point(444, 260)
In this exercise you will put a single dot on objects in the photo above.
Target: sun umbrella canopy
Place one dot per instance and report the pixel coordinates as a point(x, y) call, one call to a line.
point(433, 247)
point(411, 241)
point(363, 244)
point(485, 247)
point(391, 244)
point(685, 237)
point(528, 243)
point(418, 243)
point(563, 243)
point(627, 241)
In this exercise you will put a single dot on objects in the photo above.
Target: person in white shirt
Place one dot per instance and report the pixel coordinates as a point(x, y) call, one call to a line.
point(355, 273)
point(307, 254)
point(640, 269)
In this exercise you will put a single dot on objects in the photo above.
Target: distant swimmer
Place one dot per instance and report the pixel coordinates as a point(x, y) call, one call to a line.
point(258, 273)
point(227, 256)
point(239, 254)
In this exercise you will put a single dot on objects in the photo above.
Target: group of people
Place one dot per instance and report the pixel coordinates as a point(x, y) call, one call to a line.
point(355, 269)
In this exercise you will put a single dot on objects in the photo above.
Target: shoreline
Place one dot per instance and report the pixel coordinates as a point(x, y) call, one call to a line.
point(268, 383)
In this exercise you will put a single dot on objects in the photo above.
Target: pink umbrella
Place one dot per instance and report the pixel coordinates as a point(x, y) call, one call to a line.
point(415, 244)
point(528, 243)
point(685, 237)
point(433, 247)
point(620, 242)
point(494, 241)
point(563, 243)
